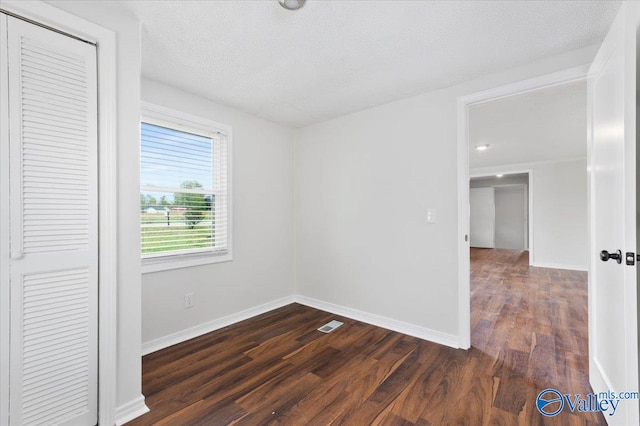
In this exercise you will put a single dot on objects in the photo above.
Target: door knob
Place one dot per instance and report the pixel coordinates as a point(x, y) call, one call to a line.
point(605, 255)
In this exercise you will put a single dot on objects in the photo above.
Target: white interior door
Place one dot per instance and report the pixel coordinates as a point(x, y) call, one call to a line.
point(511, 217)
point(482, 217)
point(51, 109)
point(612, 159)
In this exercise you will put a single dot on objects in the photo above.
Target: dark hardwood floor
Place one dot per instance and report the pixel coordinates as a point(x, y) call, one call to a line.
point(529, 333)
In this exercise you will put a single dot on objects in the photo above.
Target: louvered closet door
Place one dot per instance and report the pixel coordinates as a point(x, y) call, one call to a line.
point(53, 226)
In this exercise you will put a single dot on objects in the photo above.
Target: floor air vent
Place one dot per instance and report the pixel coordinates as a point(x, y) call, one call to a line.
point(330, 326)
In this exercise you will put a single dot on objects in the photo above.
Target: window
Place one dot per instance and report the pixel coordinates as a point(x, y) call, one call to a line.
point(184, 190)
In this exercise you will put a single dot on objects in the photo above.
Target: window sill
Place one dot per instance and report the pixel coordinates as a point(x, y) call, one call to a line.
point(178, 262)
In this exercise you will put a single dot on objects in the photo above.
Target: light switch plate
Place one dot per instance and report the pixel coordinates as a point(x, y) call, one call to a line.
point(432, 215)
point(188, 300)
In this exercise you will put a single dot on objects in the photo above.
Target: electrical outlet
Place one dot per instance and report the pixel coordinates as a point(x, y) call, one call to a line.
point(188, 300)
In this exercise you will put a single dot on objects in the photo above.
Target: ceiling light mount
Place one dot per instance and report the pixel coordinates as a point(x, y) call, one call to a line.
point(292, 4)
point(482, 147)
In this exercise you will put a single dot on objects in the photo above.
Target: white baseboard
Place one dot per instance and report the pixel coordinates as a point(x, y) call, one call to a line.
point(199, 330)
point(129, 411)
point(374, 319)
point(559, 266)
point(384, 322)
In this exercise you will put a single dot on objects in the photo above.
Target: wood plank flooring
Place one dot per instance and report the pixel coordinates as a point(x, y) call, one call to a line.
point(529, 333)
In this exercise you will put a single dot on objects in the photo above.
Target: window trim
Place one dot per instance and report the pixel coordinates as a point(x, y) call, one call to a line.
point(170, 118)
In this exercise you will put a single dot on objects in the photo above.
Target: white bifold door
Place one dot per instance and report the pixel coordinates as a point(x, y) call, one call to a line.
point(49, 224)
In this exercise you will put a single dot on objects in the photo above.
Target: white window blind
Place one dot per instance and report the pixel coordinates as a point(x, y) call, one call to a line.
point(184, 192)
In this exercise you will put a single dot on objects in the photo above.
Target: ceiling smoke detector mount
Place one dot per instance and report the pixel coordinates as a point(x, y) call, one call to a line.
point(292, 4)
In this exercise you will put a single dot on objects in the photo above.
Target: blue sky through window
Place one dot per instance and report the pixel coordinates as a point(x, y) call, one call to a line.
point(170, 157)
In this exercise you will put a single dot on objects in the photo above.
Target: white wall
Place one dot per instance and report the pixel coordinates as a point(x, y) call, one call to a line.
point(560, 228)
point(561, 212)
point(262, 266)
point(127, 29)
point(362, 185)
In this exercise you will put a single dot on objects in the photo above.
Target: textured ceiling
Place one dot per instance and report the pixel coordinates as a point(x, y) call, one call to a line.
point(544, 125)
point(335, 57)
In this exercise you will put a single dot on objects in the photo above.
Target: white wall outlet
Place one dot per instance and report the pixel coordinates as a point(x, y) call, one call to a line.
point(188, 300)
point(432, 215)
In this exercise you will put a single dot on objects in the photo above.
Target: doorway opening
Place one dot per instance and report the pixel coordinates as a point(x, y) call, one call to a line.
point(511, 159)
point(528, 175)
point(500, 211)
point(512, 139)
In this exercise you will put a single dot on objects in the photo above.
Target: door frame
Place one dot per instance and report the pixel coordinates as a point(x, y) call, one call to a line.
point(50, 16)
point(528, 198)
point(464, 103)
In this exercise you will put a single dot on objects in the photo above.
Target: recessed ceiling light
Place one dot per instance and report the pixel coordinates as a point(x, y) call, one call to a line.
point(291, 4)
point(499, 176)
point(482, 147)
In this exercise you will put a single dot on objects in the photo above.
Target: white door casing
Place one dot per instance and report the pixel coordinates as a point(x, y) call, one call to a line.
point(52, 108)
point(613, 345)
point(482, 217)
